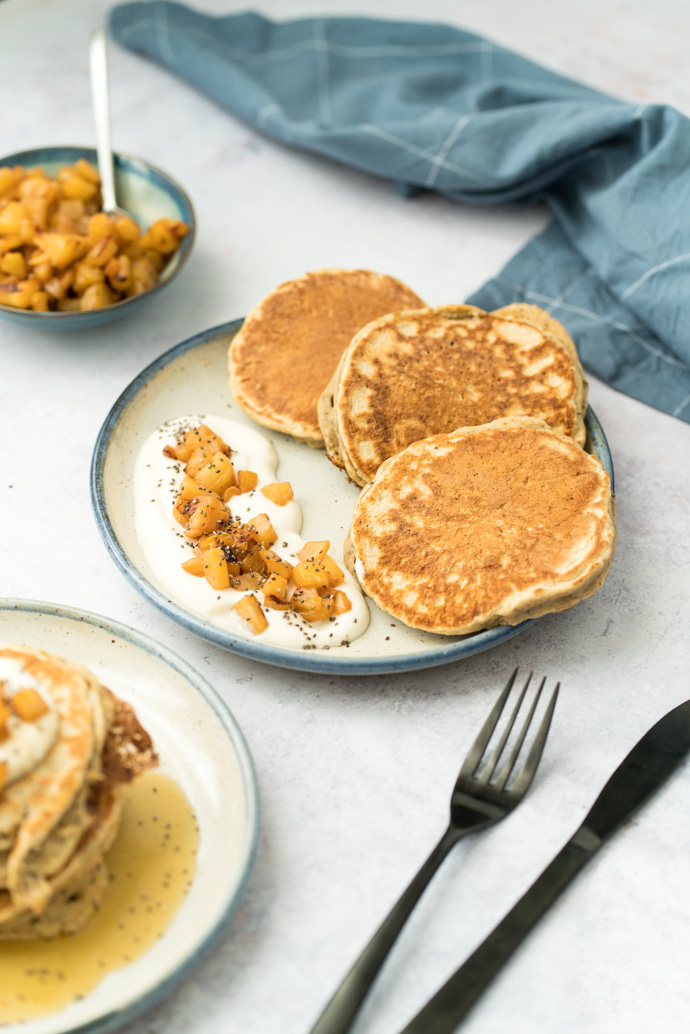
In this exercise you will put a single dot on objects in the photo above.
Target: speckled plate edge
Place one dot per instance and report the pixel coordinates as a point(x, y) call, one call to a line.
point(324, 663)
point(114, 1020)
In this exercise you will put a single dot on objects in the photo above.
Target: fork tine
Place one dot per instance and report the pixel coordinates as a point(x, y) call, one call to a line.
point(486, 731)
point(495, 757)
point(509, 763)
point(526, 775)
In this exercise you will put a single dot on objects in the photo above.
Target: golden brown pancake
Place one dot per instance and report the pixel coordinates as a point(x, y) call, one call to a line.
point(287, 350)
point(409, 375)
point(60, 815)
point(488, 525)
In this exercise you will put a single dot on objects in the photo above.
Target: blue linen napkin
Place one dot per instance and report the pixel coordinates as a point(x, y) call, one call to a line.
point(434, 107)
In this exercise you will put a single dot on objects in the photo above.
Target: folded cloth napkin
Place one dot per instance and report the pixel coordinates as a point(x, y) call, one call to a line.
point(434, 107)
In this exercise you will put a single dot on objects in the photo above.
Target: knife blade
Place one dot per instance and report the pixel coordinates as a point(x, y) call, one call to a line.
point(647, 766)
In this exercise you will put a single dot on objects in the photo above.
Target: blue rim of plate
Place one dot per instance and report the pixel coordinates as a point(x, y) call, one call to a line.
point(115, 1020)
point(70, 152)
point(314, 661)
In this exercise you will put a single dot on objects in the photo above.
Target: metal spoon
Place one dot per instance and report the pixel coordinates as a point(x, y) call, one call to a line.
point(98, 62)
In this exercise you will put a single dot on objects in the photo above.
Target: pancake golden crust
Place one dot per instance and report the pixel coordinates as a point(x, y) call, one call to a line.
point(486, 526)
point(409, 375)
point(288, 348)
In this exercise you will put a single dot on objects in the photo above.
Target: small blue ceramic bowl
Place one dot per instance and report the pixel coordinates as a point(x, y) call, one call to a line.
point(143, 191)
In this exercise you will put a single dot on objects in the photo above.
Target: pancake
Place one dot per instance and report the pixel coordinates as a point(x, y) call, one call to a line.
point(287, 350)
point(485, 526)
point(410, 375)
point(61, 777)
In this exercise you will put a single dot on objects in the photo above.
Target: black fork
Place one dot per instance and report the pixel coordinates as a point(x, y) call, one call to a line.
point(483, 794)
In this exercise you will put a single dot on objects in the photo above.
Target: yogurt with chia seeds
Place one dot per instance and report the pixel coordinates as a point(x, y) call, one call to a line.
point(157, 480)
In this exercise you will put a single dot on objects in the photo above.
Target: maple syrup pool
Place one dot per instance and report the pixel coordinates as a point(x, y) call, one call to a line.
point(151, 866)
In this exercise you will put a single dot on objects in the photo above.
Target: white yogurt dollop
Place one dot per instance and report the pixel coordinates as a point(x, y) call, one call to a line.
point(157, 480)
point(27, 743)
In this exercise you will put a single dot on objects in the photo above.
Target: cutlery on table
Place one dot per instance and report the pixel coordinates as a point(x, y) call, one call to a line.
point(483, 794)
point(98, 64)
point(646, 767)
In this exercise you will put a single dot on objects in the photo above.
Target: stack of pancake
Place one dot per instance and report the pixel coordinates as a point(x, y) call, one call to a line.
point(466, 430)
point(65, 756)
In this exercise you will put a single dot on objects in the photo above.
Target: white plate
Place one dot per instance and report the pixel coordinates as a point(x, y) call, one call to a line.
point(192, 378)
point(203, 750)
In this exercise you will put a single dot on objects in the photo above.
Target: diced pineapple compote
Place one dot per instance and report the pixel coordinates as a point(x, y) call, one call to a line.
point(249, 609)
point(234, 554)
point(53, 235)
point(279, 493)
point(28, 704)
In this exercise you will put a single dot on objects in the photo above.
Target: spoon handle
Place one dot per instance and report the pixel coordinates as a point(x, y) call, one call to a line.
point(98, 62)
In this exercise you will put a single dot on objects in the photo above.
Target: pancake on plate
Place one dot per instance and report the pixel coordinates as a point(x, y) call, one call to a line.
point(409, 375)
point(287, 350)
point(485, 526)
point(67, 747)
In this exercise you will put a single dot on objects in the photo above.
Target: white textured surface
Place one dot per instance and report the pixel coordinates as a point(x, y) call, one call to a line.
point(355, 775)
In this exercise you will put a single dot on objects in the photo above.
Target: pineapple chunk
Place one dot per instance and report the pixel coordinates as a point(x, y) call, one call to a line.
point(85, 276)
point(204, 516)
point(189, 489)
point(202, 437)
point(341, 602)
point(333, 573)
point(60, 249)
point(276, 585)
point(126, 229)
point(29, 705)
point(87, 171)
point(274, 603)
point(144, 275)
point(314, 550)
point(12, 217)
point(5, 713)
point(248, 580)
point(262, 529)
point(247, 480)
point(249, 609)
point(216, 568)
point(253, 561)
point(310, 574)
point(14, 263)
point(276, 565)
point(195, 566)
point(99, 227)
point(310, 605)
point(279, 492)
point(197, 459)
point(119, 273)
point(218, 474)
point(18, 293)
point(10, 177)
point(73, 185)
point(97, 296)
point(102, 252)
point(164, 235)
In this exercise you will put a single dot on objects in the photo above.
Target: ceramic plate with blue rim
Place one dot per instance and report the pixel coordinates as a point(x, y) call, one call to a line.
point(201, 747)
point(146, 193)
point(192, 378)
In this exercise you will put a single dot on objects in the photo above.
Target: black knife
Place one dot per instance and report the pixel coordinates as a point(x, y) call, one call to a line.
point(646, 767)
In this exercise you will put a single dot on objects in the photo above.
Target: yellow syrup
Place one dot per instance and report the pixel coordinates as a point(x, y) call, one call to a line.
point(151, 866)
